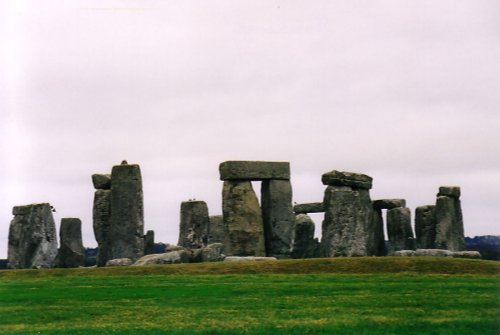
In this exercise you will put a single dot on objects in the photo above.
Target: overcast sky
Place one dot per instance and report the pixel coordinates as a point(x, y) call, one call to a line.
point(407, 92)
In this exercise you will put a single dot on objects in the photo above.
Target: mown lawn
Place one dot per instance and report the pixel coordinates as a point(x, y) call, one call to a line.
point(70, 302)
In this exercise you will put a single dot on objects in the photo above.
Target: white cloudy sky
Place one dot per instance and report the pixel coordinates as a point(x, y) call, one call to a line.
point(407, 92)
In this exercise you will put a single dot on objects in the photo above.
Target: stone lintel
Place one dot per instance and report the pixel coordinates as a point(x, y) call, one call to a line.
point(101, 181)
point(389, 203)
point(449, 191)
point(312, 207)
point(355, 180)
point(254, 170)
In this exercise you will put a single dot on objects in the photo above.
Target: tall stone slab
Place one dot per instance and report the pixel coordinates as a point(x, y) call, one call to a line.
point(304, 244)
point(399, 230)
point(243, 220)
point(217, 230)
point(376, 234)
point(449, 221)
point(32, 237)
point(348, 227)
point(101, 222)
point(127, 212)
point(193, 232)
point(149, 242)
point(278, 217)
point(71, 252)
point(425, 227)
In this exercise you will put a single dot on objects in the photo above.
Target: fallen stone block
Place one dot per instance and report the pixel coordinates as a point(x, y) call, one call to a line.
point(467, 254)
point(433, 252)
point(404, 253)
point(172, 257)
point(248, 259)
point(119, 262)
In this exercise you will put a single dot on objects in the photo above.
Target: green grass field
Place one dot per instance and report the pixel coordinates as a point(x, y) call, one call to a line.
point(321, 296)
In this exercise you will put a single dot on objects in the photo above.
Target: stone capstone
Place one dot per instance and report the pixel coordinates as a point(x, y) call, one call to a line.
point(389, 203)
point(119, 262)
point(278, 217)
point(350, 226)
point(172, 257)
point(101, 181)
point(313, 207)
point(354, 180)
point(254, 170)
point(449, 191)
point(248, 259)
point(304, 244)
point(71, 252)
point(449, 224)
point(399, 229)
point(193, 232)
point(243, 220)
point(425, 227)
point(32, 237)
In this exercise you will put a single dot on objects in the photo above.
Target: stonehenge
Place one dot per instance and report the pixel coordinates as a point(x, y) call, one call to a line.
point(118, 213)
point(272, 228)
point(32, 237)
point(251, 229)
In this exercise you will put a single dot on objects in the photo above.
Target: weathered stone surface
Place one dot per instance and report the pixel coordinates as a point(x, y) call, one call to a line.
point(404, 253)
point(376, 234)
point(248, 259)
point(449, 191)
point(389, 203)
point(211, 253)
point(71, 252)
point(278, 217)
point(399, 230)
point(254, 170)
point(149, 242)
point(101, 181)
point(425, 227)
point(449, 224)
point(101, 214)
point(119, 262)
point(172, 257)
point(304, 244)
point(433, 252)
point(243, 219)
point(354, 180)
point(349, 224)
point(127, 212)
point(193, 232)
point(172, 247)
point(313, 207)
point(32, 237)
point(467, 254)
point(216, 229)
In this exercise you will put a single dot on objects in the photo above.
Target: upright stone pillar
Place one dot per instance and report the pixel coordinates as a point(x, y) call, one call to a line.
point(449, 221)
point(149, 242)
point(399, 230)
point(304, 244)
point(216, 229)
point(278, 217)
point(350, 225)
point(71, 253)
point(101, 214)
point(425, 227)
point(193, 232)
point(127, 212)
point(243, 220)
point(32, 237)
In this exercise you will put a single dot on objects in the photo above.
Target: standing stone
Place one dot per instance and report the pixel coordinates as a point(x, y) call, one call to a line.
point(193, 232)
point(376, 234)
point(216, 229)
point(126, 212)
point(399, 230)
point(304, 244)
point(348, 227)
point(425, 227)
point(71, 253)
point(32, 237)
point(149, 242)
point(278, 217)
point(449, 222)
point(243, 220)
point(101, 215)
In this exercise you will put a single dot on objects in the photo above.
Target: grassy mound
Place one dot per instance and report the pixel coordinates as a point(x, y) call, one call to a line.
point(358, 265)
